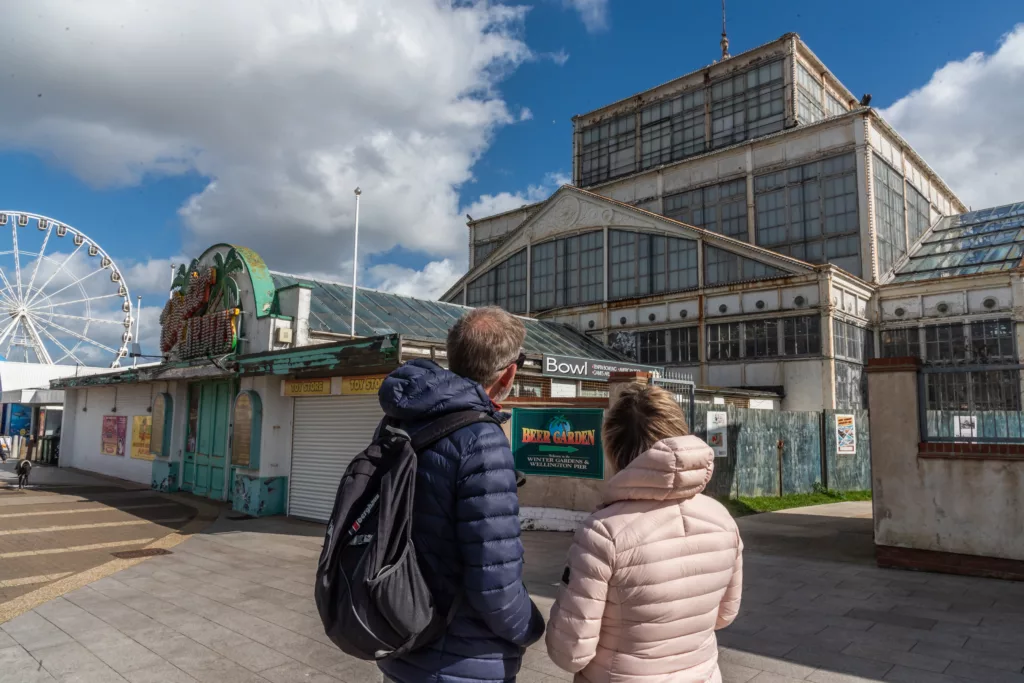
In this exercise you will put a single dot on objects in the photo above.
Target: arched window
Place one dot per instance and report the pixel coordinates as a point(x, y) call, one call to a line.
point(160, 436)
point(246, 423)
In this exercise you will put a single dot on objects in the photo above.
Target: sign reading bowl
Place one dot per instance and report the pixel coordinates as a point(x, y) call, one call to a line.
point(595, 370)
point(558, 442)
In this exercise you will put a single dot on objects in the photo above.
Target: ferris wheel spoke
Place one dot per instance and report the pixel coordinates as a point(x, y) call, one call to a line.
point(78, 281)
point(7, 330)
point(37, 342)
point(7, 288)
point(10, 341)
point(66, 350)
point(17, 257)
point(80, 337)
point(87, 319)
point(86, 300)
point(39, 258)
point(60, 268)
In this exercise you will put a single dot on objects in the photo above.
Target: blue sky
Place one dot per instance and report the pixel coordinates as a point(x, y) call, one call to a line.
point(86, 154)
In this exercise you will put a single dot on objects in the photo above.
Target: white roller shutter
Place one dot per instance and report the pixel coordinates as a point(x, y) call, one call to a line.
point(327, 432)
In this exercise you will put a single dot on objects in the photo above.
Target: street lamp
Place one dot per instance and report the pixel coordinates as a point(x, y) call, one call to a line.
point(355, 255)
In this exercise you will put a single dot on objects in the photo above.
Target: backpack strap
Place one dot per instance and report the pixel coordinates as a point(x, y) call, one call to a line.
point(447, 425)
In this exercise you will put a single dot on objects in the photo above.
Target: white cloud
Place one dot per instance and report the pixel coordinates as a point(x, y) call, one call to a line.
point(286, 106)
point(525, 114)
point(559, 58)
point(593, 13)
point(429, 283)
point(966, 123)
point(437, 276)
point(491, 204)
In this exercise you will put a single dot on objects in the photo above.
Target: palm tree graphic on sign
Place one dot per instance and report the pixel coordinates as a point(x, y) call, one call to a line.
point(559, 428)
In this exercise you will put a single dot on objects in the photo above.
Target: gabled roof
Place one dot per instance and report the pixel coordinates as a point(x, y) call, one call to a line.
point(780, 262)
point(382, 313)
point(985, 241)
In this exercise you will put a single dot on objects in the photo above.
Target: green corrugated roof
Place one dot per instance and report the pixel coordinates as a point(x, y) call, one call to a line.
point(379, 313)
point(984, 241)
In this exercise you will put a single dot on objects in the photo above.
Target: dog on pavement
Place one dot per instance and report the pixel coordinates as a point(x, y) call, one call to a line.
point(23, 468)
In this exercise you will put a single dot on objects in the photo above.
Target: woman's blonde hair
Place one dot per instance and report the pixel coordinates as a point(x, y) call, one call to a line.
point(643, 416)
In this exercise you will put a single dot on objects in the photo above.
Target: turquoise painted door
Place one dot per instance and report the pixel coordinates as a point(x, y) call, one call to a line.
point(211, 450)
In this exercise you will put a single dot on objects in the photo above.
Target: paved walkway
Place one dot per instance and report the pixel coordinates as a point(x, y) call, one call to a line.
point(233, 605)
point(66, 522)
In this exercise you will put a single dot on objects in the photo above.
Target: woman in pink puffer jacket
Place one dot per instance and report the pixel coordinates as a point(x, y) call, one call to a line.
point(659, 567)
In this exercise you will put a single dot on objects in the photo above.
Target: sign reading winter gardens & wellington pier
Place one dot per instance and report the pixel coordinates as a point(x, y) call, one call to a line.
point(558, 442)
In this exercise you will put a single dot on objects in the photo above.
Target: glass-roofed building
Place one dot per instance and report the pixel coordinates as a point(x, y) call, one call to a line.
point(761, 226)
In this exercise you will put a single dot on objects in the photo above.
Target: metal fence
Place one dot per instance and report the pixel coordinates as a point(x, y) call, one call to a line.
point(779, 452)
point(971, 404)
point(684, 391)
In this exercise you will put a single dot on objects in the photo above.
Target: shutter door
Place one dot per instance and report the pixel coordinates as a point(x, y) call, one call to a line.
point(327, 433)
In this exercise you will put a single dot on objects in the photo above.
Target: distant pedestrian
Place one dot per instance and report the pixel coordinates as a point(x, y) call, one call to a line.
point(23, 468)
point(466, 510)
point(655, 571)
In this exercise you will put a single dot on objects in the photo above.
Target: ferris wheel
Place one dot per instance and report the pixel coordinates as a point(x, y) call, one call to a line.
point(63, 300)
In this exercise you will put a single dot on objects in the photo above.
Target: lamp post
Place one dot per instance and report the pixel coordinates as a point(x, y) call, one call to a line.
point(355, 271)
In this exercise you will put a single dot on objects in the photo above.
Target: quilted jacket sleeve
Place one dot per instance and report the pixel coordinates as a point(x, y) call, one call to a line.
point(575, 625)
point(730, 606)
point(487, 528)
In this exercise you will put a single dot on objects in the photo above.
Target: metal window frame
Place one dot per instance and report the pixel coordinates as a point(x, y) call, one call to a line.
point(782, 183)
point(890, 216)
point(644, 266)
point(668, 125)
point(771, 92)
point(730, 194)
point(969, 373)
point(598, 153)
point(806, 336)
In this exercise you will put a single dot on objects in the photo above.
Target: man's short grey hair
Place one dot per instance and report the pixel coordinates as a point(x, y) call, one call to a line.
point(484, 342)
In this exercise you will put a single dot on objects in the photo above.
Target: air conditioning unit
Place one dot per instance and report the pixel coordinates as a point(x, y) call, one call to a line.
point(283, 335)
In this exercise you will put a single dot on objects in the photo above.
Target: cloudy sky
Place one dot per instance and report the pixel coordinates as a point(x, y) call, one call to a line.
point(159, 128)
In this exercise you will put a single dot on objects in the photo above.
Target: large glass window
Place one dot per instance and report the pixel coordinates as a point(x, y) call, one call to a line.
point(608, 150)
point(672, 130)
point(724, 341)
point(504, 285)
point(567, 272)
point(722, 267)
point(643, 264)
point(802, 335)
point(482, 251)
point(651, 347)
point(901, 343)
point(945, 344)
point(719, 208)
point(685, 344)
point(809, 212)
point(770, 338)
point(834, 106)
point(809, 95)
point(890, 225)
point(851, 342)
point(747, 105)
point(993, 341)
point(919, 213)
point(851, 386)
point(761, 338)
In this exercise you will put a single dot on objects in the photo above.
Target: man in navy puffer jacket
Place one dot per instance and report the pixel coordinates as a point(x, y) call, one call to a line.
point(466, 510)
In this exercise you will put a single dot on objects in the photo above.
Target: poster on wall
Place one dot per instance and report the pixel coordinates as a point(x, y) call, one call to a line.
point(142, 435)
point(846, 434)
point(21, 420)
point(554, 442)
point(115, 431)
point(718, 432)
point(966, 426)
